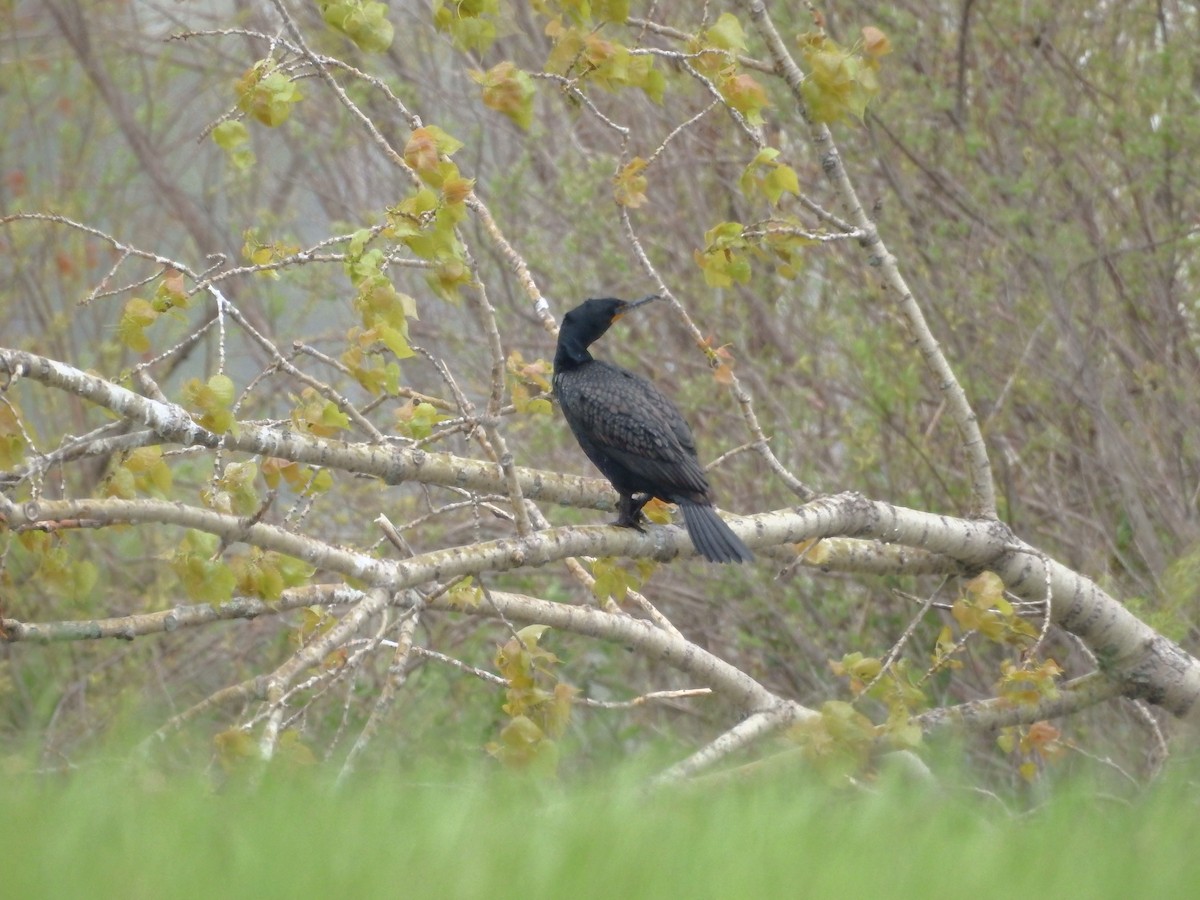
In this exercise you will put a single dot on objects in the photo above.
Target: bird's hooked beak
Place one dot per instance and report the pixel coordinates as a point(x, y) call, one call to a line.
point(635, 304)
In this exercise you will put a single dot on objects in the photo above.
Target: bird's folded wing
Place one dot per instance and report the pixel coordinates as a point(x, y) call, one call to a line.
point(635, 424)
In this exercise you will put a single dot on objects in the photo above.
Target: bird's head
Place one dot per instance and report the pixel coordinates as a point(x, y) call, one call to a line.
point(587, 322)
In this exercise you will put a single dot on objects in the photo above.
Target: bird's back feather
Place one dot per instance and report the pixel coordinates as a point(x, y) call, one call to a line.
point(631, 430)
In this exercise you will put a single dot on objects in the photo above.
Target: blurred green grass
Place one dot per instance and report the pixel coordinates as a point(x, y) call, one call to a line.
point(487, 836)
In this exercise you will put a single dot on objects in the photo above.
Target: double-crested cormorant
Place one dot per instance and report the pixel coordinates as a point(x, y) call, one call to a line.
point(633, 433)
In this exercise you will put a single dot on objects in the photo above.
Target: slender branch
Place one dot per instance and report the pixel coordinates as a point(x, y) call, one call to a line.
point(397, 675)
point(983, 488)
point(748, 62)
point(652, 697)
point(744, 400)
point(168, 620)
point(1000, 712)
point(749, 730)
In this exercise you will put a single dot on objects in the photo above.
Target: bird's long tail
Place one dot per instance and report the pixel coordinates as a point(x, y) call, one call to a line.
point(711, 537)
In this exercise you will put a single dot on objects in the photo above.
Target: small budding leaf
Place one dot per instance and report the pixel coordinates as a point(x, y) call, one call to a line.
point(417, 419)
point(267, 96)
point(629, 184)
point(148, 471)
point(746, 95)
point(722, 361)
point(135, 318)
point(859, 669)
point(465, 594)
point(428, 151)
point(212, 399)
point(171, 293)
point(509, 90)
point(723, 259)
point(456, 189)
point(841, 82)
point(421, 151)
point(318, 416)
point(875, 42)
point(203, 576)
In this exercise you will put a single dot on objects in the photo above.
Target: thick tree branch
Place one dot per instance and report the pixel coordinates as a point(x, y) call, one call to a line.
point(1146, 664)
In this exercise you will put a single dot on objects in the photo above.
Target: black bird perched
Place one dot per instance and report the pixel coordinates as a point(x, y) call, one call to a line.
point(633, 433)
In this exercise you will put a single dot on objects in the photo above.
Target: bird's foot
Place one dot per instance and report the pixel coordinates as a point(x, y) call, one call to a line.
point(629, 511)
point(637, 522)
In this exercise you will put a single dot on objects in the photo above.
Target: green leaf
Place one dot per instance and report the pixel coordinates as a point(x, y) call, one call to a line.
point(320, 483)
point(146, 471)
point(137, 315)
point(509, 90)
point(267, 96)
point(395, 340)
point(726, 34)
point(650, 79)
point(448, 278)
point(363, 21)
point(333, 417)
point(840, 82)
point(223, 389)
point(746, 95)
point(769, 177)
point(416, 420)
point(202, 577)
point(358, 242)
point(231, 134)
point(783, 179)
point(170, 294)
point(446, 143)
point(212, 399)
point(468, 22)
point(12, 438)
point(531, 634)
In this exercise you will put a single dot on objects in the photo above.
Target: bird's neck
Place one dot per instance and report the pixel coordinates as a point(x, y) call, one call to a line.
point(570, 354)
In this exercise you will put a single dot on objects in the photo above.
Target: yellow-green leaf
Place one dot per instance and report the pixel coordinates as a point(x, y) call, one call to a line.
point(629, 184)
point(12, 439)
point(222, 388)
point(726, 33)
point(230, 134)
point(363, 21)
point(509, 90)
point(746, 95)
